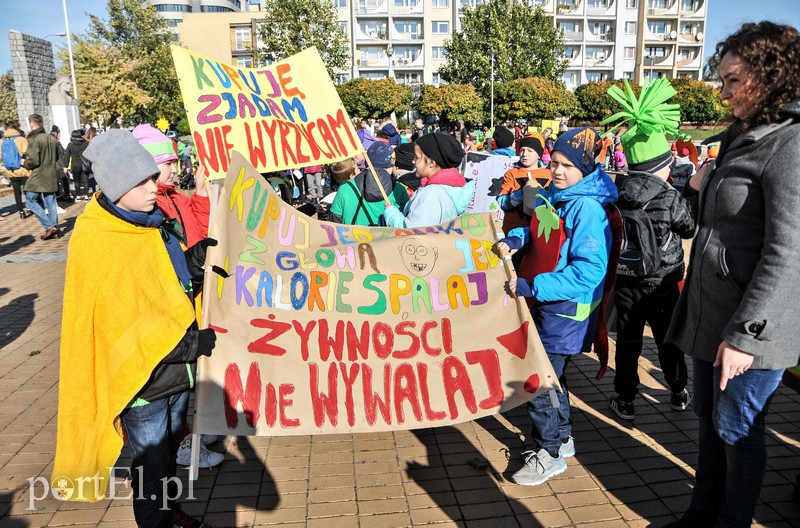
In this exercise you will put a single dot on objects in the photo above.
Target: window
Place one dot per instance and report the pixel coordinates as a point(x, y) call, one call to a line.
point(570, 78)
point(597, 3)
point(685, 54)
point(471, 3)
point(366, 6)
point(407, 78)
point(655, 51)
point(437, 52)
point(371, 53)
point(569, 52)
point(657, 4)
point(244, 62)
point(440, 26)
point(342, 78)
point(687, 29)
point(598, 28)
point(340, 3)
point(659, 27)
point(630, 4)
point(343, 25)
point(627, 75)
point(630, 28)
point(216, 9)
point(375, 76)
point(596, 53)
point(440, 3)
point(405, 3)
point(629, 53)
point(437, 78)
point(687, 5)
point(595, 76)
point(242, 38)
point(405, 55)
point(175, 8)
point(408, 28)
point(374, 29)
point(566, 26)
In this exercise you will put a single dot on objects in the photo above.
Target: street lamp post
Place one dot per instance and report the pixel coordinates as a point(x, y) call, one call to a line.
point(69, 49)
point(390, 53)
point(492, 102)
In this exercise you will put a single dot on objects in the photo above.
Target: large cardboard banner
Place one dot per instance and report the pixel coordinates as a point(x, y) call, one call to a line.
point(328, 328)
point(282, 116)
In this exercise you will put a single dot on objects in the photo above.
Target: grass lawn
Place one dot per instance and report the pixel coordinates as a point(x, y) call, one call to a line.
point(699, 134)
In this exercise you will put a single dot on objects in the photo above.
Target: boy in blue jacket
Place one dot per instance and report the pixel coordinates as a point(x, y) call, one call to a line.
point(563, 271)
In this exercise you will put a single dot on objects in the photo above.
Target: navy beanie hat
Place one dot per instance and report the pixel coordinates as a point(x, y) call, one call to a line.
point(404, 156)
point(581, 146)
point(503, 137)
point(391, 133)
point(381, 154)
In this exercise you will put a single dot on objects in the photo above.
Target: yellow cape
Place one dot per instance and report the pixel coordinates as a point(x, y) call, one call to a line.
point(124, 311)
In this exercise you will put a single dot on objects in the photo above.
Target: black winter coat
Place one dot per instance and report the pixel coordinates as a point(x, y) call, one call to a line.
point(671, 216)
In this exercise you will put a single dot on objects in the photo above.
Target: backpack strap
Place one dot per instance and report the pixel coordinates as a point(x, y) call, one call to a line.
point(361, 205)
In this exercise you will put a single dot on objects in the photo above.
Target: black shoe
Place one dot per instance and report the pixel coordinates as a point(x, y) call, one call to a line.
point(694, 519)
point(181, 520)
point(680, 400)
point(623, 409)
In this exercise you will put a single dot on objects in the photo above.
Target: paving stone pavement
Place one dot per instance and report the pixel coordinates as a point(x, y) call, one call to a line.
point(622, 475)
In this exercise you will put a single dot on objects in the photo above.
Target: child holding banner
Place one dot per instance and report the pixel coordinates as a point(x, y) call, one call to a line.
point(563, 270)
point(191, 213)
point(443, 193)
point(129, 338)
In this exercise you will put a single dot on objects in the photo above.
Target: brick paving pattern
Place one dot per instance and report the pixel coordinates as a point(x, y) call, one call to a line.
point(622, 475)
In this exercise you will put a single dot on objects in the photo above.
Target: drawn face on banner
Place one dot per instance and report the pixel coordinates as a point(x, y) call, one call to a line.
point(418, 256)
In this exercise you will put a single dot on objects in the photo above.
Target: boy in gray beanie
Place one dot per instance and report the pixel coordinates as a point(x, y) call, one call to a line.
point(130, 340)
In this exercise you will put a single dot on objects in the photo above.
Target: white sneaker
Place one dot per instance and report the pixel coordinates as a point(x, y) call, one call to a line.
point(208, 459)
point(61, 210)
point(539, 467)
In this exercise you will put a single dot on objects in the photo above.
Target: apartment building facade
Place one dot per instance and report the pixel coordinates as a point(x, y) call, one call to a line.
point(404, 39)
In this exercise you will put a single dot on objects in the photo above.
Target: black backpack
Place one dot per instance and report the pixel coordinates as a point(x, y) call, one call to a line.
point(640, 254)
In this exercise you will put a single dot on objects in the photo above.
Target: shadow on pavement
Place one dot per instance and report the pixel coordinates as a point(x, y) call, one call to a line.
point(6, 248)
point(464, 485)
point(16, 317)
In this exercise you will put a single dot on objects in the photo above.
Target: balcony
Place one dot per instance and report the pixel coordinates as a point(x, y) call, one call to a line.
point(370, 34)
point(382, 62)
point(698, 10)
point(693, 63)
point(608, 36)
point(409, 62)
point(573, 36)
point(382, 9)
point(569, 8)
point(417, 10)
point(601, 61)
point(671, 11)
point(396, 35)
point(607, 10)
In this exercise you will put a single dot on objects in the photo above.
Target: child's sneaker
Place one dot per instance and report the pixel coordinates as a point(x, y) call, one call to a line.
point(623, 409)
point(538, 468)
point(681, 400)
point(208, 459)
point(208, 439)
point(567, 448)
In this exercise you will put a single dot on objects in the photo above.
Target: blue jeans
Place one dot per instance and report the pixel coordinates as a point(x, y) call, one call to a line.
point(155, 432)
point(732, 455)
point(551, 425)
point(47, 216)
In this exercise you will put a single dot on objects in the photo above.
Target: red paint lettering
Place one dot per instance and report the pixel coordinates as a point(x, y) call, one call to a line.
point(405, 388)
point(275, 329)
point(235, 393)
point(326, 343)
point(372, 402)
point(430, 414)
point(304, 332)
point(490, 365)
point(321, 403)
point(349, 379)
point(401, 330)
point(456, 379)
point(284, 391)
point(357, 345)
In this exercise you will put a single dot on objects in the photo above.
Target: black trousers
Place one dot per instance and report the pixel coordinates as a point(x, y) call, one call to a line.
point(17, 184)
point(635, 307)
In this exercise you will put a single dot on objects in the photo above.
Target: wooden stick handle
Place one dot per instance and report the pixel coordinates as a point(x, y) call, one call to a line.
point(522, 306)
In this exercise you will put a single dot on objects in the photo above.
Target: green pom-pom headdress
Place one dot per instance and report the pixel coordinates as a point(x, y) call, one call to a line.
point(649, 118)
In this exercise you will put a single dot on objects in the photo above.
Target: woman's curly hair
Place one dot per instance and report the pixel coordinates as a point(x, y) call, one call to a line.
point(772, 55)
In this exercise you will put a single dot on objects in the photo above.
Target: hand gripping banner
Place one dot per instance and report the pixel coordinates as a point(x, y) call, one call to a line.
point(327, 328)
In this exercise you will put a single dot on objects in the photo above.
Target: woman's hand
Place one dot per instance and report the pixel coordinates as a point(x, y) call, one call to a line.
point(733, 362)
point(200, 181)
point(697, 178)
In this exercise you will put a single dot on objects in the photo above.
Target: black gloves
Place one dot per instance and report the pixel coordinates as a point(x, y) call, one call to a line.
point(195, 259)
point(206, 341)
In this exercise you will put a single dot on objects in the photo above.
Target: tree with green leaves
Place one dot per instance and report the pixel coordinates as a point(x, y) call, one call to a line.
point(699, 102)
point(595, 103)
point(8, 98)
point(135, 38)
point(365, 98)
point(533, 98)
point(107, 83)
point(294, 25)
point(451, 102)
point(522, 38)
